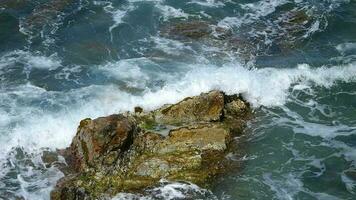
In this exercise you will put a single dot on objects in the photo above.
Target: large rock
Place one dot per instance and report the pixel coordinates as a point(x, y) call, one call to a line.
point(101, 141)
point(122, 153)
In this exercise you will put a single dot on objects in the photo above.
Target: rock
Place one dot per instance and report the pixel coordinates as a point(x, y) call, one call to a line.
point(119, 153)
point(45, 14)
point(236, 108)
point(68, 189)
point(153, 167)
point(49, 158)
point(16, 5)
point(204, 108)
point(222, 33)
point(296, 24)
point(279, 35)
point(297, 17)
point(138, 109)
point(188, 30)
point(91, 51)
point(99, 142)
point(202, 137)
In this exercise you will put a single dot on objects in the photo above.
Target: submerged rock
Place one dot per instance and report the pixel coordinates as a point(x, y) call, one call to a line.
point(16, 5)
point(125, 152)
point(188, 30)
point(47, 14)
point(280, 34)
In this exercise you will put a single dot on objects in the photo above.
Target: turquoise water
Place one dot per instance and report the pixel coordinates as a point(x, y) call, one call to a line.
point(294, 61)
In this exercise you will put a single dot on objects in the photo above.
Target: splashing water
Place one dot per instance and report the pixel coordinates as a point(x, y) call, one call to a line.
point(293, 61)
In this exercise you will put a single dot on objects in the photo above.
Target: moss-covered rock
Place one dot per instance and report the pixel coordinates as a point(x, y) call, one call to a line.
point(119, 153)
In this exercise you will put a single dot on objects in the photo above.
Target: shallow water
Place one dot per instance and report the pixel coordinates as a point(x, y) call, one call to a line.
point(294, 61)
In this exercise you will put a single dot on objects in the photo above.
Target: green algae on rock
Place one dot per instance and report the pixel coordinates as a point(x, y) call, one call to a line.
point(119, 153)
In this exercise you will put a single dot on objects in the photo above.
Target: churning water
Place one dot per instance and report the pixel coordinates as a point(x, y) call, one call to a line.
point(294, 61)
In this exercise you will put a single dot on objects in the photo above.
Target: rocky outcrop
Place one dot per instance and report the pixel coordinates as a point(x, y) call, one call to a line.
point(186, 141)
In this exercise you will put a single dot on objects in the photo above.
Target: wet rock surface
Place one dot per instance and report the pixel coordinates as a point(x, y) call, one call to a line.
point(128, 153)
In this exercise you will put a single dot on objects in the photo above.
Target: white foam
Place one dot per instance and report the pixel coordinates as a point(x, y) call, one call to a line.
point(323, 130)
point(166, 190)
point(346, 47)
point(208, 3)
point(263, 8)
point(30, 60)
point(169, 12)
point(128, 71)
point(349, 183)
point(43, 62)
point(204, 14)
point(67, 71)
point(267, 87)
point(169, 46)
point(231, 22)
point(315, 27)
point(287, 186)
point(255, 10)
point(156, 1)
point(176, 190)
point(118, 15)
point(284, 189)
point(261, 87)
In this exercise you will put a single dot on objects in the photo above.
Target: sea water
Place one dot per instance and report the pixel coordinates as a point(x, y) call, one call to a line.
point(293, 61)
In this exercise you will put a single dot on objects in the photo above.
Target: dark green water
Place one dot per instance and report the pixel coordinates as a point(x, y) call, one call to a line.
point(294, 61)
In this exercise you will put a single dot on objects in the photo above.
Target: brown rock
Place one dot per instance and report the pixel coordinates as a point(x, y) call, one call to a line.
point(207, 107)
point(101, 141)
point(202, 137)
point(49, 157)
